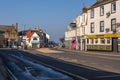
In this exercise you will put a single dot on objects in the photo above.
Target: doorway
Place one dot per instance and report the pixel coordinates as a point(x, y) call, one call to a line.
point(115, 44)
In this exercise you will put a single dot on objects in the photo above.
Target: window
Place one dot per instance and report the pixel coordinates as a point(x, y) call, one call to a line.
point(92, 13)
point(83, 18)
point(102, 41)
point(92, 27)
point(88, 41)
point(113, 24)
point(34, 38)
point(101, 10)
point(118, 41)
point(41, 38)
point(101, 26)
point(92, 41)
point(113, 7)
point(108, 41)
point(96, 40)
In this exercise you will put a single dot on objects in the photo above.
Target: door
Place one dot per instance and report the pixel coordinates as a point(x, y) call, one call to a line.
point(83, 44)
point(115, 44)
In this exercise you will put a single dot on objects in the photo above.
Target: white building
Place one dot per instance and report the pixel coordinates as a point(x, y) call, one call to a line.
point(81, 27)
point(103, 29)
point(69, 34)
point(35, 40)
point(76, 30)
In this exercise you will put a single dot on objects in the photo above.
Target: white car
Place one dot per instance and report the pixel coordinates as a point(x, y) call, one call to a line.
point(14, 46)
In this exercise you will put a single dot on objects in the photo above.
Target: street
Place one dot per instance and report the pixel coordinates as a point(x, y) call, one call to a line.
point(59, 65)
point(23, 69)
point(104, 61)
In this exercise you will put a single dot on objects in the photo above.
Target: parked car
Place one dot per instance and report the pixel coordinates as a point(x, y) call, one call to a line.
point(3, 46)
point(14, 46)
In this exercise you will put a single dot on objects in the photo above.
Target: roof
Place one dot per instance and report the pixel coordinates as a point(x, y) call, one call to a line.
point(5, 27)
point(101, 2)
point(29, 34)
point(22, 33)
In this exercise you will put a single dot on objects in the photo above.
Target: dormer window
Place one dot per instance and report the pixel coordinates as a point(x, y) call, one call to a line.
point(113, 7)
point(92, 13)
point(101, 10)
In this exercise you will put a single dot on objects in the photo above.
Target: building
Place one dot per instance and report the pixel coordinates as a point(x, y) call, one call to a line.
point(103, 28)
point(8, 35)
point(70, 36)
point(75, 33)
point(33, 38)
point(81, 23)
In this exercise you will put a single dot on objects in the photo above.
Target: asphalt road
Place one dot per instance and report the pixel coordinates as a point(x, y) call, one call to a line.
point(80, 70)
point(100, 61)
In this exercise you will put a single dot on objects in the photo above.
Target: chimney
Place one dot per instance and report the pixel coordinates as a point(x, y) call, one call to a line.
point(85, 8)
point(16, 26)
point(37, 28)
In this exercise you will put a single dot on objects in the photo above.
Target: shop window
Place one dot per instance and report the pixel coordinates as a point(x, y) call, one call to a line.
point(102, 41)
point(118, 41)
point(96, 40)
point(108, 41)
point(92, 41)
point(88, 41)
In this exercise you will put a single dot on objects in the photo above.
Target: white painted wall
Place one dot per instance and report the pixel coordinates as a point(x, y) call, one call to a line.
point(107, 21)
point(38, 39)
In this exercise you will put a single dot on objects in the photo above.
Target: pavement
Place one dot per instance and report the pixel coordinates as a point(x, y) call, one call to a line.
point(59, 50)
point(92, 52)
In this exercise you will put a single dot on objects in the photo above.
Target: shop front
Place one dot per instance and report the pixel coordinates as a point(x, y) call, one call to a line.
point(74, 43)
point(35, 44)
point(105, 42)
point(68, 43)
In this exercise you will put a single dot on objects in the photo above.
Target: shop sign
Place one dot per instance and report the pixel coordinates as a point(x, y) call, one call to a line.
point(104, 36)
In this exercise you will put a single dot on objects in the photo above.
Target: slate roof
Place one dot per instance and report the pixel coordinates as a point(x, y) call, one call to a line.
point(101, 2)
point(4, 28)
point(23, 33)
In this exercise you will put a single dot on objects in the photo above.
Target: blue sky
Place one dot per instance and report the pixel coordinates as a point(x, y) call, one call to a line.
point(53, 16)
